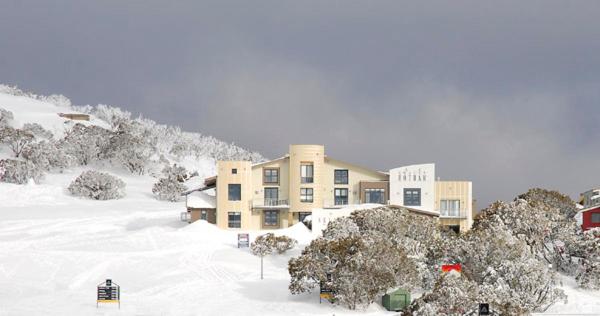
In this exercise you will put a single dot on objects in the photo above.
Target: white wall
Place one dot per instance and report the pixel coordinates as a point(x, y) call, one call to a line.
point(414, 176)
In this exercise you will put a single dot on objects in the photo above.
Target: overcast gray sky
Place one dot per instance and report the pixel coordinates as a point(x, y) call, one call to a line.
point(503, 93)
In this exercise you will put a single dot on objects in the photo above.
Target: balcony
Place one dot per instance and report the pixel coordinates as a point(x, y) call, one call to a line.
point(452, 214)
point(270, 203)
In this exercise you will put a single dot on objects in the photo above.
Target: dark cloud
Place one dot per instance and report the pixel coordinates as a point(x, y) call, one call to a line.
point(505, 94)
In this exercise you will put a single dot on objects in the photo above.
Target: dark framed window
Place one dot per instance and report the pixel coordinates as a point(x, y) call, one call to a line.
point(341, 196)
point(340, 176)
point(302, 216)
point(375, 196)
point(412, 197)
point(306, 195)
point(235, 192)
point(204, 215)
point(271, 196)
point(234, 171)
point(271, 218)
point(271, 175)
point(596, 218)
point(306, 172)
point(234, 220)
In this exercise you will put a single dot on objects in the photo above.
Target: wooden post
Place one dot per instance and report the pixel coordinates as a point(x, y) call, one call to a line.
point(261, 267)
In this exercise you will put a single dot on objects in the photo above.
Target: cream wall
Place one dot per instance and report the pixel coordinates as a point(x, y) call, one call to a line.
point(226, 177)
point(258, 187)
point(297, 155)
point(355, 175)
point(456, 190)
point(417, 176)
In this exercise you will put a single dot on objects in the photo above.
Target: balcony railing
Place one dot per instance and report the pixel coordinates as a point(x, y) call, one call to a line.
point(270, 203)
point(452, 214)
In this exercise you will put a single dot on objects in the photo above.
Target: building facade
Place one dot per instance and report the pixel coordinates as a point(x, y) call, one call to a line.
point(284, 191)
point(454, 203)
point(589, 216)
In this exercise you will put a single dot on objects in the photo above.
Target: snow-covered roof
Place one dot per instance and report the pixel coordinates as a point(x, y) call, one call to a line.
point(199, 199)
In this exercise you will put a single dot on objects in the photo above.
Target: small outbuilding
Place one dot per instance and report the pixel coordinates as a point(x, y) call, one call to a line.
point(201, 206)
point(588, 218)
point(396, 300)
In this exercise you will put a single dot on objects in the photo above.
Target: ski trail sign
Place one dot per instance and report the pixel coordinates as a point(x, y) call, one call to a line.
point(108, 292)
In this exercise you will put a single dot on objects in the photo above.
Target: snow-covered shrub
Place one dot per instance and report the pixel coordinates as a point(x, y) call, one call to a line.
point(19, 171)
point(5, 117)
point(130, 148)
point(37, 130)
point(509, 274)
point(268, 243)
point(452, 294)
point(87, 143)
point(588, 274)
point(47, 155)
point(98, 186)
point(360, 268)
point(16, 139)
point(168, 189)
point(179, 173)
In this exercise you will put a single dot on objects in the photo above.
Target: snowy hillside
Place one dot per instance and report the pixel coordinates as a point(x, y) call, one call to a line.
point(55, 248)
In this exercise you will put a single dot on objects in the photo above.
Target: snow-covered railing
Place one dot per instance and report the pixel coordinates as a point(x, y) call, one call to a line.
point(270, 203)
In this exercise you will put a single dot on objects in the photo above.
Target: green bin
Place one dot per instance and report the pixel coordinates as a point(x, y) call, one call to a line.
point(396, 300)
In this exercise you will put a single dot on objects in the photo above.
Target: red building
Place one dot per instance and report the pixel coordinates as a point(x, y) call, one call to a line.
point(589, 217)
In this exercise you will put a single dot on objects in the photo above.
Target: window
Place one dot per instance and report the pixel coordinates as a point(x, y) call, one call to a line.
point(271, 218)
point(234, 171)
point(204, 215)
point(271, 196)
point(306, 195)
point(375, 196)
point(341, 196)
point(596, 218)
point(412, 197)
point(234, 220)
point(271, 176)
point(450, 208)
point(306, 172)
point(340, 176)
point(235, 192)
point(302, 216)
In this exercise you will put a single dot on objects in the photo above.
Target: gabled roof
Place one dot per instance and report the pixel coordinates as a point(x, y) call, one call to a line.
point(199, 199)
point(269, 161)
point(357, 166)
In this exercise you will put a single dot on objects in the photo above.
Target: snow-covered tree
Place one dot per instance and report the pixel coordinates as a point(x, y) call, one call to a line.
point(37, 130)
point(168, 189)
point(19, 171)
point(361, 268)
point(5, 117)
point(98, 186)
point(284, 243)
point(87, 143)
point(16, 139)
point(268, 243)
point(588, 274)
point(510, 275)
point(47, 155)
point(130, 148)
point(452, 294)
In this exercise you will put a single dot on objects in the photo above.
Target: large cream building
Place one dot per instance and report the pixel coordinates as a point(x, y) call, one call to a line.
point(282, 192)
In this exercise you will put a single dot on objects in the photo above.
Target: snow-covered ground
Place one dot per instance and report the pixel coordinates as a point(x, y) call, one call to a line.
point(55, 249)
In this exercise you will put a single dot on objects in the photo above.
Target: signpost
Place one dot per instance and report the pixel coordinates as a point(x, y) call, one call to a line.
point(325, 292)
point(109, 292)
point(243, 240)
point(484, 309)
point(451, 267)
